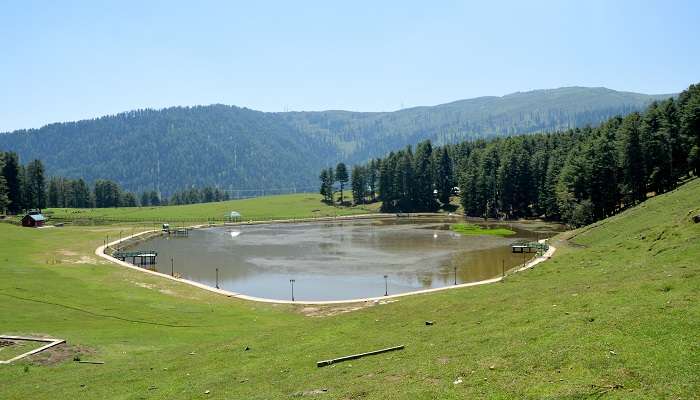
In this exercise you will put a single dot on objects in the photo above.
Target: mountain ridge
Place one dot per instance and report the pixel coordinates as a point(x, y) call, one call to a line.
point(235, 147)
point(658, 96)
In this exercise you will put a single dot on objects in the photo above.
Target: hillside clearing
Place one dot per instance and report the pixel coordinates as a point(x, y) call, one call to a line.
point(614, 314)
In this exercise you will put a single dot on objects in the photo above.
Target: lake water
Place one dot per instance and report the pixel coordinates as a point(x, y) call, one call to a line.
point(340, 260)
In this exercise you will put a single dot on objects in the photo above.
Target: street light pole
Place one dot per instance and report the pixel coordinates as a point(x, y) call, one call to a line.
point(217, 278)
point(172, 267)
point(386, 285)
point(455, 275)
point(291, 281)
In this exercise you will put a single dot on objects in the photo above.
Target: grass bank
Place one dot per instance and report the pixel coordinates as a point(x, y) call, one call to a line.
point(613, 315)
point(476, 230)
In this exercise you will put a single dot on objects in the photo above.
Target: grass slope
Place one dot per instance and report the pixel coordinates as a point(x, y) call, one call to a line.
point(613, 315)
point(302, 205)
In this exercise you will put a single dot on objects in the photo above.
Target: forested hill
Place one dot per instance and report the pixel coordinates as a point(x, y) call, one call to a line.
point(238, 148)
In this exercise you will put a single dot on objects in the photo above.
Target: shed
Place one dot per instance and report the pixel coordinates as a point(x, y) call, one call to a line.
point(33, 220)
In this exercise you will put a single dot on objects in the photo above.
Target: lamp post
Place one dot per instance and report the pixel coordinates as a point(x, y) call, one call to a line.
point(386, 285)
point(503, 268)
point(291, 281)
point(172, 267)
point(455, 275)
point(217, 278)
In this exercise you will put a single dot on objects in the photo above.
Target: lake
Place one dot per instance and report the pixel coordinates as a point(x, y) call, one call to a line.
point(342, 259)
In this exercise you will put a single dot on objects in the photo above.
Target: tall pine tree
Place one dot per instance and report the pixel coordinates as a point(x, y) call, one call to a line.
point(444, 176)
point(35, 185)
point(341, 176)
point(11, 172)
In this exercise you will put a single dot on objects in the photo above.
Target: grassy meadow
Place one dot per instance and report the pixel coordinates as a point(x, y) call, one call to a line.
point(287, 206)
point(614, 315)
point(475, 230)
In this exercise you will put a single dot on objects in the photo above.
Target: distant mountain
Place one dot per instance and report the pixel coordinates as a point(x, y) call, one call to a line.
point(239, 148)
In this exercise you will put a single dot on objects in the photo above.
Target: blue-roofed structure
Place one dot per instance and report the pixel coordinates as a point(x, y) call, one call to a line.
point(33, 219)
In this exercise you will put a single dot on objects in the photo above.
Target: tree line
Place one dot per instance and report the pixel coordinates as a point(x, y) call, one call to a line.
point(237, 148)
point(576, 176)
point(207, 194)
point(25, 187)
point(403, 181)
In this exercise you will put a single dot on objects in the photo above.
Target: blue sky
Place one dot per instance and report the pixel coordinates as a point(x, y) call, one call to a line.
point(70, 60)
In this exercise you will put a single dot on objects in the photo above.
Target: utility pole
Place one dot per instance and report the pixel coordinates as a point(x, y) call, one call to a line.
point(291, 281)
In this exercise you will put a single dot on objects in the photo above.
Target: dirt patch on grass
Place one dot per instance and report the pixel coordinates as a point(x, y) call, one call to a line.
point(53, 355)
point(83, 260)
point(163, 290)
point(68, 257)
point(144, 285)
point(336, 309)
point(60, 353)
point(443, 360)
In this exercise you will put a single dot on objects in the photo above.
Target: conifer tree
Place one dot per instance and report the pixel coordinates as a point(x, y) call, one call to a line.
point(358, 183)
point(154, 198)
point(4, 199)
point(632, 165)
point(689, 104)
point(326, 185)
point(403, 180)
point(145, 199)
point(423, 198)
point(35, 185)
point(11, 173)
point(341, 176)
point(444, 176)
point(373, 177)
point(54, 195)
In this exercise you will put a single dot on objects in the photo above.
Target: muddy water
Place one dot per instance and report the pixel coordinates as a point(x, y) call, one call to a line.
point(340, 260)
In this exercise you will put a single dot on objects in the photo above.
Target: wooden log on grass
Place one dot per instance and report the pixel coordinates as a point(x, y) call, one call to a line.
point(356, 356)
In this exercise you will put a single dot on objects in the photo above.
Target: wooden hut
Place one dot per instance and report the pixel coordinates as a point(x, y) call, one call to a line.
point(33, 219)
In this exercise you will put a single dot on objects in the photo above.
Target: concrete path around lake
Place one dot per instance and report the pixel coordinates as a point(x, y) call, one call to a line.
point(100, 252)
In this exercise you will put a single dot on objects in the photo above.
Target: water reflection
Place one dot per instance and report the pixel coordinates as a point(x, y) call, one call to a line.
point(340, 260)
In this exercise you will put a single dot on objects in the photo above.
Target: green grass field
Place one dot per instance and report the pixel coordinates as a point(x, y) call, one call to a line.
point(614, 315)
point(289, 206)
point(472, 230)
